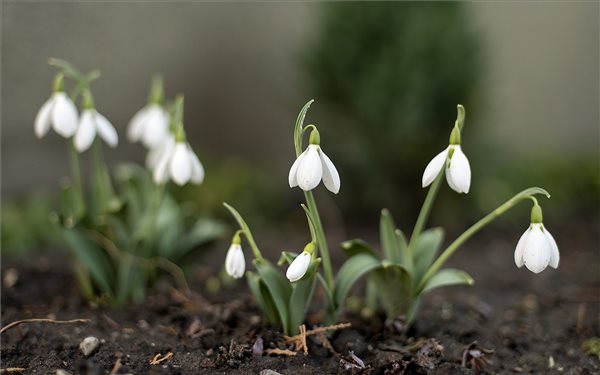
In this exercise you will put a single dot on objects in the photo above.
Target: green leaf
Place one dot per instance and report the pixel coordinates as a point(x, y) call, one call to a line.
point(202, 232)
point(350, 272)
point(393, 244)
point(447, 276)
point(357, 246)
point(92, 257)
point(299, 126)
point(286, 257)
point(278, 286)
point(263, 297)
point(302, 291)
point(427, 246)
point(393, 289)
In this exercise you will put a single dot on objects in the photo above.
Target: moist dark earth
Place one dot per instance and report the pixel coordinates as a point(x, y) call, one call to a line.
point(510, 322)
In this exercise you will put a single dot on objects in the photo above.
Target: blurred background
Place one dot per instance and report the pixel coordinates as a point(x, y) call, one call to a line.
point(386, 79)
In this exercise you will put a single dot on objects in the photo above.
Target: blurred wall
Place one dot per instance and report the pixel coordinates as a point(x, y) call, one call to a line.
point(238, 65)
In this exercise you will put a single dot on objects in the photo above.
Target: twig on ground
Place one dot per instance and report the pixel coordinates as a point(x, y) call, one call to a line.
point(277, 351)
point(299, 340)
point(39, 320)
point(117, 365)
point(158, 358)
point(12, 369)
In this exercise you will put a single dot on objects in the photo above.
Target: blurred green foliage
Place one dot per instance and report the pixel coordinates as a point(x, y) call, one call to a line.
point(26, 224)
point(392, 73)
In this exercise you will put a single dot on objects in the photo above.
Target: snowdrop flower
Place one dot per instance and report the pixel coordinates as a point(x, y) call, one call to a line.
point(150, 125)
point(458, 170)
point(235, 263)
point(537, 248)
point(90, 123)
point(58, 112)
point(299, 266)
point(312, 166)
point(180, 163)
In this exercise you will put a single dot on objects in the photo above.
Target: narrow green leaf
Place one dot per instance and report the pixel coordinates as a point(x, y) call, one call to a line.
point(298, 127)
point(447, 276)
point(350, 272)
point(393, 289)
point(427, 247)
point(301, 296)
point(202, 232)
point(357, 246)
point(286, 257)
point(263, 298)
point(278, 286)
point(92, 258)
point(389, 242)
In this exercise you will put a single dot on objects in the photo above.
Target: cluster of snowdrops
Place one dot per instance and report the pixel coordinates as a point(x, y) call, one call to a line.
point(396, 275)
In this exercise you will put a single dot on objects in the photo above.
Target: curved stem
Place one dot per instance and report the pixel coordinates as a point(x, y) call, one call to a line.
point(320, 238)
point(525, 194)
point(425, 210)
point(76, 175)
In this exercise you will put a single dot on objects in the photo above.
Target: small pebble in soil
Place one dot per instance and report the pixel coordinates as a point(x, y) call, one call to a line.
point(62, 372)
point(269, 372)
point(89, 345)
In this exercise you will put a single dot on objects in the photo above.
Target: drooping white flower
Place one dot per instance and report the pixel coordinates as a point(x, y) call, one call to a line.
point(311, 167)
point(155, 154)
point(298, 267)
point(235, 263)
point(537, 249)
point(90, 124)
point(150, 125)
point(179, 163)
point(458, 170)
point(58, 112)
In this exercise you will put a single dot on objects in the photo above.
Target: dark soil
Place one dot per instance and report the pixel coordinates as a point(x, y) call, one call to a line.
point(521, 323)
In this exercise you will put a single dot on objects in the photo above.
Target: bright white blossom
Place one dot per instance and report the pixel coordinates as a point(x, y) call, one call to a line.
point(537, 249)
point(155, 154)
point(90, 123)
point(311, 167)
point(58, 112)
point(235, 263)
point(458, 170)
point(179, 163)
point(298, 267)
point(150, 125)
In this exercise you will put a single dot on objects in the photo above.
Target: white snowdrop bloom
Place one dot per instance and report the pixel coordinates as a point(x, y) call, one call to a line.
point(155, 154)
point(537, 249)
point(235, 263)
point(311, 167)
point(179, 163)
point(150, 125)
point(298, 267)
point(458, 170)
point(58, 112)
point(90, 124)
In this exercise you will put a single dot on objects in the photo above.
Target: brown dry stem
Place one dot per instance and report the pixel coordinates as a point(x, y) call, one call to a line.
point(299, 340)
point(39, 320)
point(277, 351)
point(159, 358)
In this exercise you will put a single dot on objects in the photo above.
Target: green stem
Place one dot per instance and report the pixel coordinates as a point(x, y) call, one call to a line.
point(321, 242)
point(242, 223)
point(426, 209)
point(76, 175)
point(525, 194)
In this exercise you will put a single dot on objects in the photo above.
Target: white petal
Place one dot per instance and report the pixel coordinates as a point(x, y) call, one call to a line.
point(64, 115)
point(298, 268)
point(106, 130)
point(136, 125)
point(292, 179)
point(235, 263)
point(86, 131)
point(554, 254)
point(331, 177)
point(180, 166)
point(434, 167)
point(537, 250)
point(161, 170)
point(519, 261)
point(310, 170)
point(458, 174)
point(42, 119)
point(156, 128)
point(197, 168)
